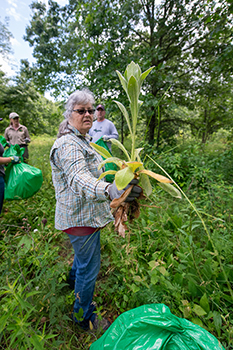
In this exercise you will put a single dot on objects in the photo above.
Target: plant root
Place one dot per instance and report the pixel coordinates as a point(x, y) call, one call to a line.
point(126, 211)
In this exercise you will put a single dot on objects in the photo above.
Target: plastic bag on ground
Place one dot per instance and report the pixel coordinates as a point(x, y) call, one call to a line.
point(108, 166)
point(154, 327)
point(22, 180)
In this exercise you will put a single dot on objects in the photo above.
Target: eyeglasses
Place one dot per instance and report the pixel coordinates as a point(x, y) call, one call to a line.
point(84, 111)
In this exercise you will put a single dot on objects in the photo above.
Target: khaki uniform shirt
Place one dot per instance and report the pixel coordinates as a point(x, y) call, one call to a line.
point(17, 136)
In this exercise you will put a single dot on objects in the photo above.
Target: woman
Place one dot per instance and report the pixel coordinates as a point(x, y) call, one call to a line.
point(3, 161)
point(82, 201)
point(17, 133)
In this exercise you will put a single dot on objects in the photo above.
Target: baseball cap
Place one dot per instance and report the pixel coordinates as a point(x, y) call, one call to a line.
point(13, 115)
point(100, 106)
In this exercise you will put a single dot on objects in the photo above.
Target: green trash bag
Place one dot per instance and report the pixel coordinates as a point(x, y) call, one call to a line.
point(154, 327)
point(3, 141)
point(22, 180)
point(108, 166)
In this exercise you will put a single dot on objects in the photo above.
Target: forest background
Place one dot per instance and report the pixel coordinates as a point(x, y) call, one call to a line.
point(186, 125)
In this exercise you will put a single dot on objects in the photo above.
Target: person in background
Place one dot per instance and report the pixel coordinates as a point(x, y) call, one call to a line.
point(4, 161)
point(103, 127)
point(82, 202)
point(18, 134)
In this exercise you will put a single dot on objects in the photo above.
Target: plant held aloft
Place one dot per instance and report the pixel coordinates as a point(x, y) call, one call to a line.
point(132, 167)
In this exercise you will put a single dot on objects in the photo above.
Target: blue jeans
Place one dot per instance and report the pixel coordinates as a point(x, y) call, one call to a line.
point(85, 270)
point(2, 187)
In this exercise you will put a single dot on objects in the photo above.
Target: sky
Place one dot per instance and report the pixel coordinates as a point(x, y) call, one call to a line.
point(19, 14)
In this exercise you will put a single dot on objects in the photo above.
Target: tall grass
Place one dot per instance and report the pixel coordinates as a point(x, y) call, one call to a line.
point(166, 256)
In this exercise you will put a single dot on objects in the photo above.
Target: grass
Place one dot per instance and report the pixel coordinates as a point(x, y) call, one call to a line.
point(166, 256)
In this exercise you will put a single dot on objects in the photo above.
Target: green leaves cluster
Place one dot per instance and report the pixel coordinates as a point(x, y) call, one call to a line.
point(133, 168)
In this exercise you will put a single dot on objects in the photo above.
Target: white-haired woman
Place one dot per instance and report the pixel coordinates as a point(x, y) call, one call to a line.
point(82, 201)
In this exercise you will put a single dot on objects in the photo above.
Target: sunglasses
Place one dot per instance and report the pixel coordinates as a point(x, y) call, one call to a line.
point(84, 111)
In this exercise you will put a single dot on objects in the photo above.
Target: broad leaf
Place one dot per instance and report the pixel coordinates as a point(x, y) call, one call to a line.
point(144, 74)
point(109, 172)
point(122, 80)
point(157, 177)
point(136, 153)
point(119, 145)
point(198, 310)
point(114, 160)
point(217, 320)
point(101, 150)
point(134, 165)
point(132, 69)
point(123, 178)
point(125, 114)
point(173, 191)
point(146, 185)
point(133, 91)
point(204, 303)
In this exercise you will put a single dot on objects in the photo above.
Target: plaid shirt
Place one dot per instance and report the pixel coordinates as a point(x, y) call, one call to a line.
point(80, 197)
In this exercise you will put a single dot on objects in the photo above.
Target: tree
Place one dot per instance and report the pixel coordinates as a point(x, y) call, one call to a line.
point(5, 35)
point(92, 39)
point(36, 112)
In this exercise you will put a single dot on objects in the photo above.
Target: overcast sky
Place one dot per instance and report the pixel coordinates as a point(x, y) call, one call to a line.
point(19, 14)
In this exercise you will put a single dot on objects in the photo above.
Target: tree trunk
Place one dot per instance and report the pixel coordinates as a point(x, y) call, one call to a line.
point(158, 127)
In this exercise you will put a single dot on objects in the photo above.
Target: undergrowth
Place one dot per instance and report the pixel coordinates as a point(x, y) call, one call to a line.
point(166, 256)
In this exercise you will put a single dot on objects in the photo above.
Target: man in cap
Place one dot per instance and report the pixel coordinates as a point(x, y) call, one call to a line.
point(18, 134)
point(103, 127)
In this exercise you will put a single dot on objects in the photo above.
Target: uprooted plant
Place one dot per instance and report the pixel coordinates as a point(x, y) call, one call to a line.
point(133, 166)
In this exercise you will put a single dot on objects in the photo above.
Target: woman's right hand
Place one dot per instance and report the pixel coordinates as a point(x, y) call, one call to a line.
point(115, 193)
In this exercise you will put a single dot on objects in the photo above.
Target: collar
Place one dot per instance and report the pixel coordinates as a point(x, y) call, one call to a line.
point(20, 125)
point(77, 133)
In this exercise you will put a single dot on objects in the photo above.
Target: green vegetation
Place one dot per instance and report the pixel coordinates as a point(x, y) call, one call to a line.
point(179, 251)
point(166, 257)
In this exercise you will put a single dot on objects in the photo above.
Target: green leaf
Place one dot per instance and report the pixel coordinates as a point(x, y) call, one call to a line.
point(119, 145)
point(101, 150)
point(132, 69)
point(3, 321)
point(25, 243)
point(205, 303)
point(134, 165)
point(136, 153)
point(34, 339)
point(134, 288)
point(50, 336)
point(125, 114)
point(109, 172)
point(114, 160)
point(192, 288)
point(178, 278)
point(198, 310)
point(123, 81)
point(146, 185)
point(144, 74)
point(217, 321)
point(133, 91)
point(123, 178)
point(173, 191)
point(197, 321)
